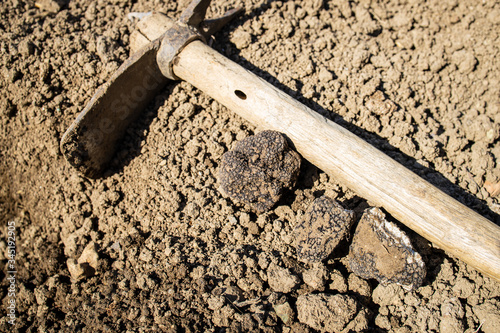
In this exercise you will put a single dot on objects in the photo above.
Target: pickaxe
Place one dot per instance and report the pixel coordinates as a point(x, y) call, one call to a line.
point(177, 50)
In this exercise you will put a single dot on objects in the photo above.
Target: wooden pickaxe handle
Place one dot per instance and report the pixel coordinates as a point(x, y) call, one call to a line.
point(348, 159)
point(89, 142)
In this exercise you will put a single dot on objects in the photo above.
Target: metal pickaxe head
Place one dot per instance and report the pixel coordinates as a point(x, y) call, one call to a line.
point(90, 142)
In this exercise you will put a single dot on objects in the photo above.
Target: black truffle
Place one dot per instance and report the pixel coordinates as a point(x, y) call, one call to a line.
point(257, 170)
point(324, 225)
point(382, 251)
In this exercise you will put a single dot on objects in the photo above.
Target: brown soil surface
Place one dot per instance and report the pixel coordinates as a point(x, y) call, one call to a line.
point(417, 79)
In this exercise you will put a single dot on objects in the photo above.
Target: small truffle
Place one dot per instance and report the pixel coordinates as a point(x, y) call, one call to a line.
point(257, 170)
point(324, 225)
point(382, 251)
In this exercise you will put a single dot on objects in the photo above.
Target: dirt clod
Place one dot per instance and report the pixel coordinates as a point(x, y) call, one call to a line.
point(382, 251)
point(326, 313)
point(488, 314)
point(315, 277)
point(281, 279)
point(258, 169)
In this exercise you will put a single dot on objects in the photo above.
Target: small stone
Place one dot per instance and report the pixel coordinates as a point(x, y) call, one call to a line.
point(285, 312)
point(280, 279)
point(86, 265)
point(382, 251)
point(52, 6)
point(326, 313)
point(379, 104)
point(325, 75)
point(75, 269)
point(89, 255)
point(323, 226)
point(258, 169)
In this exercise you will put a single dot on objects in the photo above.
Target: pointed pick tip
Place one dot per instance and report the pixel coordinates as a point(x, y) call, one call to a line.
point(195, 12)
point(210, 27)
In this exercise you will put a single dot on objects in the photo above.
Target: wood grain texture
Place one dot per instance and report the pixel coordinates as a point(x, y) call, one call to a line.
point(349, 159)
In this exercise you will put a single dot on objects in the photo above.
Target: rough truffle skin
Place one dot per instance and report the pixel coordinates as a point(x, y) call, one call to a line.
point(324, 225)
point(257, 170)
point(380, 250)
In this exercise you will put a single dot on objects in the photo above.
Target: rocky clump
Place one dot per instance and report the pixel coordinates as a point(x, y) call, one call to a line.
point(280, 279)
point(382, 251)
point(324, 225)
point(86, 264)
point(331, 313)
point(258, 169)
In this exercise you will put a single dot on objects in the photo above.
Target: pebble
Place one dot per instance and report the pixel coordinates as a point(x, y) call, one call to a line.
point(285, 312)
point(86, 265)
point(52, 6)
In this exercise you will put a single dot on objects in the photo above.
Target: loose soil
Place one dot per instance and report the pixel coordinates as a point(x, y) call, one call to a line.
point(417, 79)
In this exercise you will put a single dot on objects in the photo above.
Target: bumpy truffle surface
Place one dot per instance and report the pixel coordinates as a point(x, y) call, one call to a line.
point(324, 225)
point(382, 251)
point(258, 169)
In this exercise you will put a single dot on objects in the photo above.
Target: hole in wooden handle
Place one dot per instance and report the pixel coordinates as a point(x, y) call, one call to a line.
point(240, 94)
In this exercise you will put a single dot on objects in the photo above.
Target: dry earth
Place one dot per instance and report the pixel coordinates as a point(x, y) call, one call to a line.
point(174, 254)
